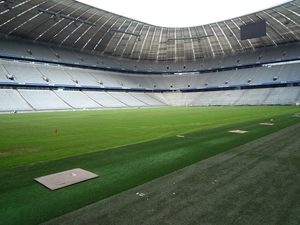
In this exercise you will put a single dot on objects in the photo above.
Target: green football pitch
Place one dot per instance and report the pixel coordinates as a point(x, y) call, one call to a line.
point(125, 148)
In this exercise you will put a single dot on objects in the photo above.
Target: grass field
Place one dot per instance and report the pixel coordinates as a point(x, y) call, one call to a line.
point(140, 145)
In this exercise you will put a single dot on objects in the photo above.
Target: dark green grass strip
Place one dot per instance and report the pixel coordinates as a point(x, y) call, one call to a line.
point(23, 201)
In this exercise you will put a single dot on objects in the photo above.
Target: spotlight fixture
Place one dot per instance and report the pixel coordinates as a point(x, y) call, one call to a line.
point(55, 17)
point(125, 32)
point(74, 19)
point(188, 38)
point(7, 4)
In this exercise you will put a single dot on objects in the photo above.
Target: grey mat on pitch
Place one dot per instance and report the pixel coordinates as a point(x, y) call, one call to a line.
point(66, 178)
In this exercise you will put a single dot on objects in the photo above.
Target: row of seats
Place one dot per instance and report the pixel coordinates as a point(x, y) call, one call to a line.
point(43, 100)
point(264, 96)
point(31, 50)
point(51, 75)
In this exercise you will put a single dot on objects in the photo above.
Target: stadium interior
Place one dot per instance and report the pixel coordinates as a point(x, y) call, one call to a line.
point(66, 55)
point(170, 162)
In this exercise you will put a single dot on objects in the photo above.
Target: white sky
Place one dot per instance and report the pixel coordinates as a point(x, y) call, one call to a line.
point(187, 13)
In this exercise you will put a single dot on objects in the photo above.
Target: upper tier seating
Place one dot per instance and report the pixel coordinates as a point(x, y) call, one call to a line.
point(25, 49)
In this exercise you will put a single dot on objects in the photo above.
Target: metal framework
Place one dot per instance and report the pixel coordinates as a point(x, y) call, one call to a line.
point(76, 25)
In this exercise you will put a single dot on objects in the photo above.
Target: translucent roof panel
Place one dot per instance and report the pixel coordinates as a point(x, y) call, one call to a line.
point(72, 24)
point(168, 13)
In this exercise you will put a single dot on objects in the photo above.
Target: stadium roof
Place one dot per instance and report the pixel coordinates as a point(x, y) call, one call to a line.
point(170, 13)
point(73, 24)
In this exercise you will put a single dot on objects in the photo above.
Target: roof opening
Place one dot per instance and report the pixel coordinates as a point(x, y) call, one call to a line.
point(169, 13)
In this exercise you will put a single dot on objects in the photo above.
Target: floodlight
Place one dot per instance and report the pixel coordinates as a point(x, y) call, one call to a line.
point(125, 32)
point(7, 4)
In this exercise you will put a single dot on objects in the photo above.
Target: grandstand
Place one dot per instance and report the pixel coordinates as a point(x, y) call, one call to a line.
point(67, 55)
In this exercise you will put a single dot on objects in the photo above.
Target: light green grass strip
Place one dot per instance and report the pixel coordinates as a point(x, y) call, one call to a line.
point(29, 138)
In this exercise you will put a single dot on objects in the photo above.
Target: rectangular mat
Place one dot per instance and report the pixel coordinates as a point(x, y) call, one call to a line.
point(267, 124)
point(66, 178)
point(238, 131)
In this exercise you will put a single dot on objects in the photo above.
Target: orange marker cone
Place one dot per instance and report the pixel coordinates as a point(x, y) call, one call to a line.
point(56, 130)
